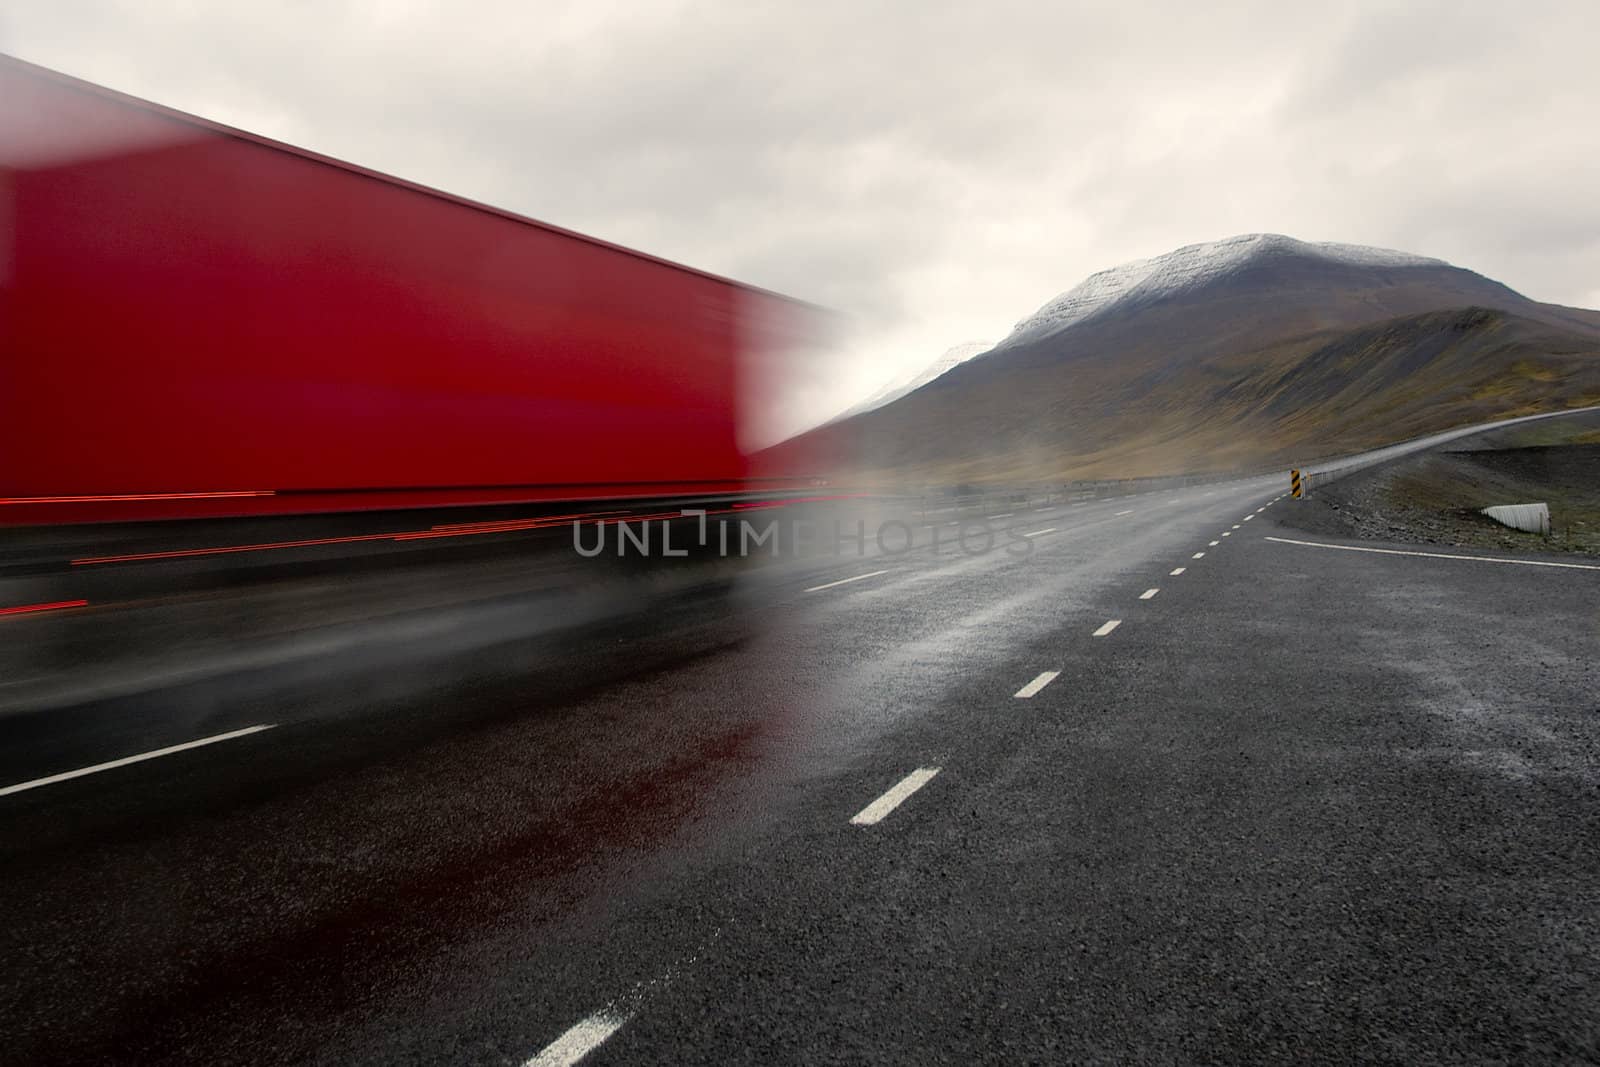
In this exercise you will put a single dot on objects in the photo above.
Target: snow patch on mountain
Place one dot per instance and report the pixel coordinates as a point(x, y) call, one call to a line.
point(1188, 268)
point(903, 384)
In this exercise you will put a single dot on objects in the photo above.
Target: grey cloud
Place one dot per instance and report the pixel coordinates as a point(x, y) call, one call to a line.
point(934, 171)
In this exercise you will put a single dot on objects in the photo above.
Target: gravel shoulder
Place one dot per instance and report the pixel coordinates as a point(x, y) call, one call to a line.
point(1435, 497)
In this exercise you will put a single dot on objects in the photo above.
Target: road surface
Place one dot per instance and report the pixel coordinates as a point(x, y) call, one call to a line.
point(1180, 784)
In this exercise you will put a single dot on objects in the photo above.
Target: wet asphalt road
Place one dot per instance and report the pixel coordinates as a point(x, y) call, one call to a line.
point(1299, 804)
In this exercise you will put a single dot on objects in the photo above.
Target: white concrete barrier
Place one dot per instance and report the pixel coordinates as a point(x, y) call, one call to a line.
point(1534, 518)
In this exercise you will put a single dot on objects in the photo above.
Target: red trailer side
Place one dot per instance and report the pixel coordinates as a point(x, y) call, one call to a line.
point(198, 321)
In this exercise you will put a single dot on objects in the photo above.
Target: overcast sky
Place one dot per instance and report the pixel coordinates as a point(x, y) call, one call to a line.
point(933, 171)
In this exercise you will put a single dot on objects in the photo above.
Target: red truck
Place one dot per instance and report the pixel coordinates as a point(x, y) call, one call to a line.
point(196, 321)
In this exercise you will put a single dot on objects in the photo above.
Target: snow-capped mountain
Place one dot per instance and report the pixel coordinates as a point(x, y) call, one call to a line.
point(1145, 281)
point(1225, 355)
point(901, 385)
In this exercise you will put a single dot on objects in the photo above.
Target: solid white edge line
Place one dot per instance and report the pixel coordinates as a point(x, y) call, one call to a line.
point(580, 1040)
point(1107, 626)
point(1041, 533)
point(140, 758)
point(1177, 571)
point(875, 812)
point(1044, 679)
point(1436, 555)
point(1148, 593)
point(844, 581)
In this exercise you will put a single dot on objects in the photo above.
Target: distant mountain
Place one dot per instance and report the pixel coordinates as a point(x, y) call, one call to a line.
point(1255, 349)
point(1207, 269)
point(898, 387)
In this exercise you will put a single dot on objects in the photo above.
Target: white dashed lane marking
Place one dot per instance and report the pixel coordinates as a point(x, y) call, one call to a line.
point(1107, 626)
point(1044, 679)
point(1198, 555)
point(1214, 544)
point(579, 1041)
point(1177, 571)
point(1148, 594)
point(126, 760)
point(845, 581)
point(875, 812)
point(1041, 533)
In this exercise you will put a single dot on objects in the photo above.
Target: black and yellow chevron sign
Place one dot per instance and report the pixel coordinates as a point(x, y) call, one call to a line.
point(1296, 490)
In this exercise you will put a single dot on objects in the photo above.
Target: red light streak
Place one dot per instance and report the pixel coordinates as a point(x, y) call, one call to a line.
point(508, 527)
point(465, 529)
point(182, 553)
point(518, 522)
point(29, 609)
point(118, 497)
point(413, 535)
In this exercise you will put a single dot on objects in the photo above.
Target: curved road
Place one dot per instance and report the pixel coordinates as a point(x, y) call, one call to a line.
point(1180, 784)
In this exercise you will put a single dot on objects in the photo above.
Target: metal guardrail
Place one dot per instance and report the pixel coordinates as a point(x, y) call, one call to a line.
point(947, 500)
point(979, 497)
point(1330, 470)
